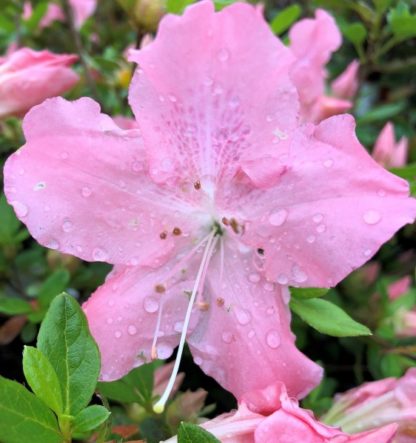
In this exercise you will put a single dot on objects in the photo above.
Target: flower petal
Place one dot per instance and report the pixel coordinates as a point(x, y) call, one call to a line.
point(123, 315)
point(196, 100)
point(247, 327)
point(330, 212)
point(80, 185)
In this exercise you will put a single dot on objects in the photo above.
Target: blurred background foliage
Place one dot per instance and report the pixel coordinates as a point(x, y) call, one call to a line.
point(381, 34)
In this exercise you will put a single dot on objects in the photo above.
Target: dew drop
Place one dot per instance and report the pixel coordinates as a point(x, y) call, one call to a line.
point(223, 55)
point(254, 278)
point(227, 337)
point(270, 311)
point(268, 286)
point(99, 254)
point(172, 98)
point(328, 163)
point(64, 155)
point(317, 218)
point(298, 274)
point(251, 333)
point(67, 225)
point(178, 326)
point(86, 191)
point(278, 218)
point(310, 239)
point(164, 351)
point(132, 330)
point(282, 279)
point(273, 339)
point(117, 334)
point(39, 186)
point(20, 208)
point(198, 361)
point(321, 228)
point(371, 217)
point(109, 320)
point(208, 81)
point(150, 304)
point(381, 193)
point(52, 244)
point(234, 102)
point(243, 316)
point(367, 253)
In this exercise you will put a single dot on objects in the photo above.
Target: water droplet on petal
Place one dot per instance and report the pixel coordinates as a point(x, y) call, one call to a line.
point(39, 186)
point(234, 102)
point(164, 351)
point(109, 320)
point(67, 225)
point(86, 191)
point(208, 81)
point(99, 254)
point(282, 279)
point(198, 361)
point(278, 218)
point(381, 193)
point(52, 244)
point(227, 337)
point(317, 218)
point(172, 98)
point(243, 316)
point(268, 286)
point(132, 330)
point(328, 163)
point(321, 228)
point(310, 239)
point(20, 208)
point(178, 326)
point(270, 311)
point(254, 278)
point(298, 274)
point(251, 333)
point(117, 334)
point(367, 253)
point(150, 304)
point(273, 339)
point(64, 155)
point(223, 54)
point(371, 217)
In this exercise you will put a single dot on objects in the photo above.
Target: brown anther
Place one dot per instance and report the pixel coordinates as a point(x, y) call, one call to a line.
point(163, 235)
point(176, 231)
point(234, 225)
point(225, 221)
point(220, 301)
point(160, 289)
point(197, 185)
point(203, 305)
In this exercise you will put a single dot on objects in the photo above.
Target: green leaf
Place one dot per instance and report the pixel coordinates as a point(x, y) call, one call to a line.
point(14, 306)
point(64, 338)
point(382, 5)
point(25, 418)
point(189, 433)
point(402, 22)
point(55, 284)
point(10, 225)
point(285, 18)
point(38, 13)
point(42, 378)
point(178, 6)
point(354, 32)
point(90, 418)
point(327, 318)
point(308, 292)
point(135, 387)
point(382, 113)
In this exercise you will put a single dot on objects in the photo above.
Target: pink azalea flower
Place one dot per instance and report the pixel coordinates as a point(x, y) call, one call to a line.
point(346, 85)
point(222, 201)
point(27, 77)
point(275, 417)
point(387, 152)
point(378, 403)
point(399, 287)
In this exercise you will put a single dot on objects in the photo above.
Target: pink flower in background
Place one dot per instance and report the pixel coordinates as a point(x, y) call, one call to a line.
point(221, 201)
point(82, 10)
point(387, 152)
point(378, 403)
point(27, 77)
point(399, 287)
point(346, 85)
point(312, 42)
point(271, 415)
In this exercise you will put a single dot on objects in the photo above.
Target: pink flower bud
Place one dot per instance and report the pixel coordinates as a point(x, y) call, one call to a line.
point(387, 152)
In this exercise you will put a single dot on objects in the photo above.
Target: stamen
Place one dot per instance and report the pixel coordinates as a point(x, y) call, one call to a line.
point(160, 404)
point(153, 352)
